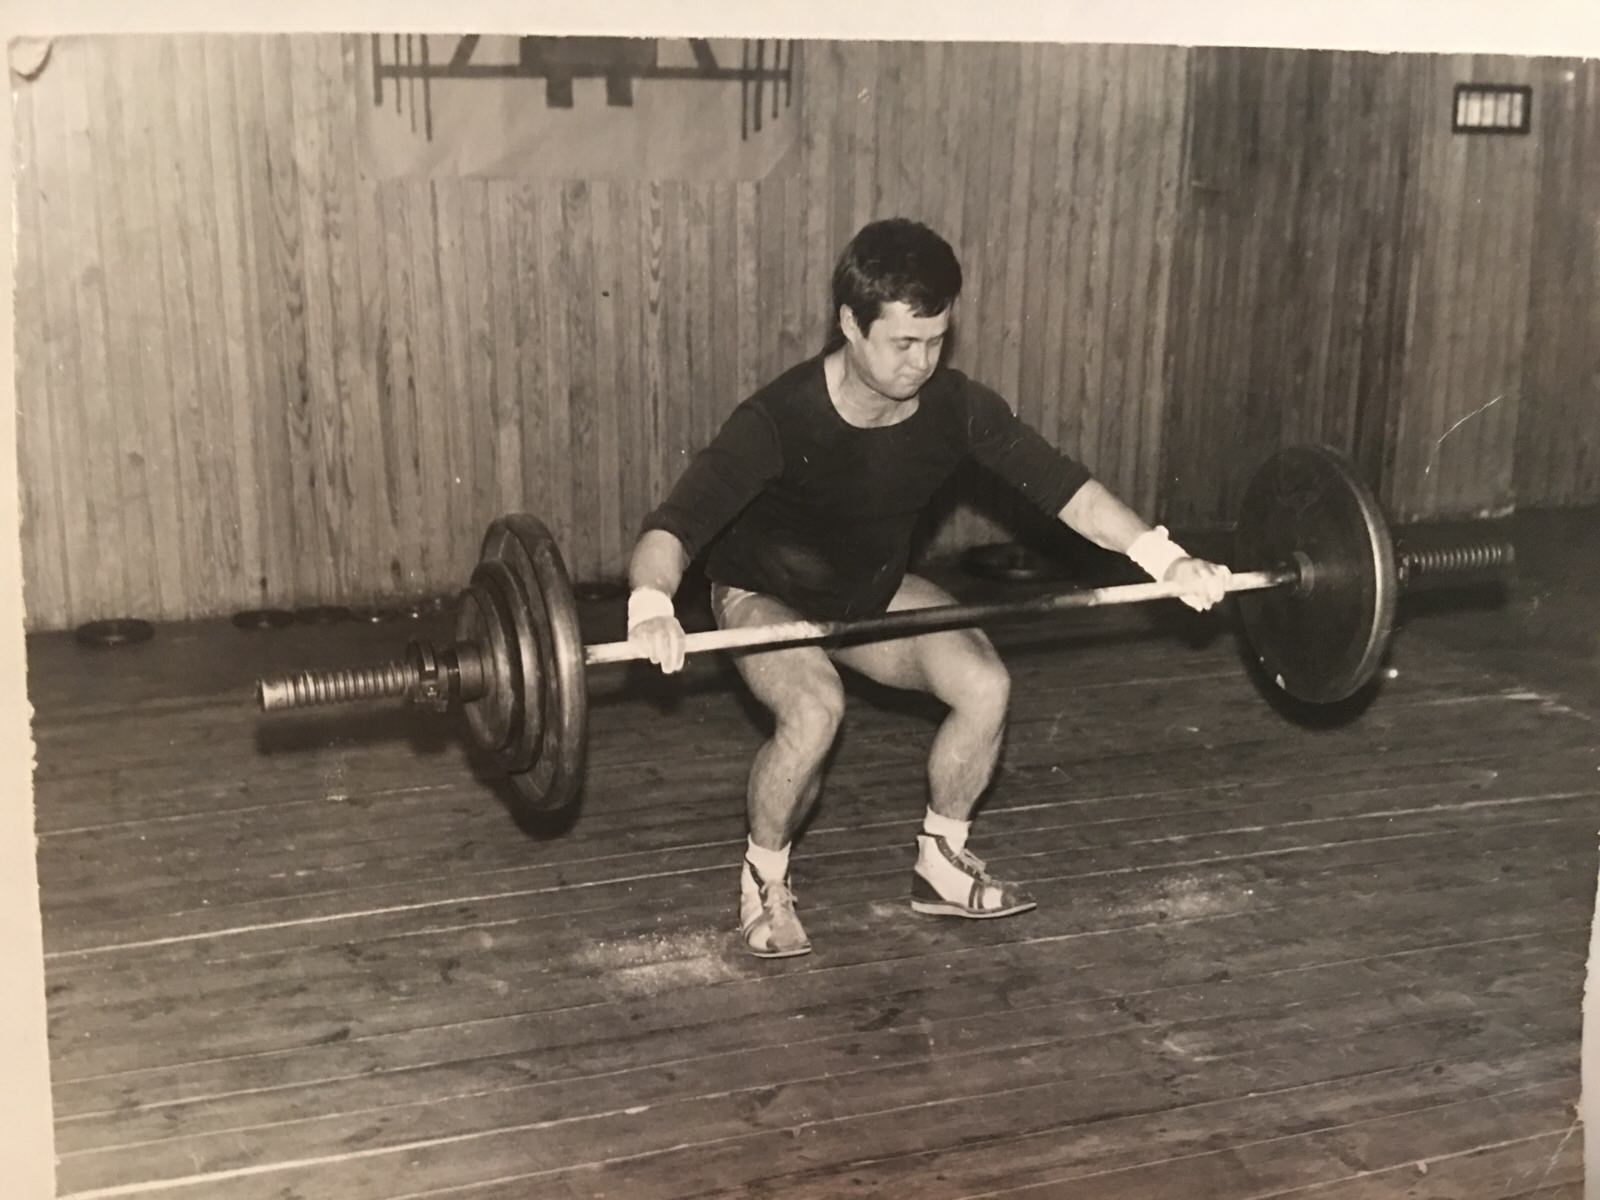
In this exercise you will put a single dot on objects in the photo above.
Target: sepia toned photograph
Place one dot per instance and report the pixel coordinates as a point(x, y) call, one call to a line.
point(805, 616)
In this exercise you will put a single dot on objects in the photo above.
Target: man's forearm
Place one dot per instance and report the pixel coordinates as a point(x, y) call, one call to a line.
point(1099, 516)
point(658, 562)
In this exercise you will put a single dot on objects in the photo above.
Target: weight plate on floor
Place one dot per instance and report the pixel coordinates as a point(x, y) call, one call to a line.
point(106, 635)
point(263, 618)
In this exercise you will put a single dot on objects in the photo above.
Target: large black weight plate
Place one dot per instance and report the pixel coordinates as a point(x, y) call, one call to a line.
point(1324, 639)
point(483, 619)
point(555, 691)
point(524, 648)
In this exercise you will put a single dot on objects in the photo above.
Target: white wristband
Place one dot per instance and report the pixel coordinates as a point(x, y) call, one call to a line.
point(1155, 552)
point(645, 604)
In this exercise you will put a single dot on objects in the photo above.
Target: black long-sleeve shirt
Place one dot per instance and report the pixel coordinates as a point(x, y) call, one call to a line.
point(820, 513)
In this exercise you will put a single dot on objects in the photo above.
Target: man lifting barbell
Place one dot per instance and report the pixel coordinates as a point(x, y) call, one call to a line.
point(807, 500)
point(1317, 572)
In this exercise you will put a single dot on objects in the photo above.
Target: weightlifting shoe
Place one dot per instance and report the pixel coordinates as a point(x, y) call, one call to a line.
point(767, 918)
point(955, 883)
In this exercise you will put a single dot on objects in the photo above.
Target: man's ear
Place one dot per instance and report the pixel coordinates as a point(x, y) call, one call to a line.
point(848, 324)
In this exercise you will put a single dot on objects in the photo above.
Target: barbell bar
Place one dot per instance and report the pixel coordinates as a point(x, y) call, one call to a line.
point(1317, 603)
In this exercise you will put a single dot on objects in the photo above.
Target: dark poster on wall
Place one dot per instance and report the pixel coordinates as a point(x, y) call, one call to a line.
point(577, 107)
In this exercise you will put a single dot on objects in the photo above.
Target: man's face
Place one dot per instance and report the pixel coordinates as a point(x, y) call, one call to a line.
point(898, 353)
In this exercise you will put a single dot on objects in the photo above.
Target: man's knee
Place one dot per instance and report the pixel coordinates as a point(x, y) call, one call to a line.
point(811, 714)
point(984, 689)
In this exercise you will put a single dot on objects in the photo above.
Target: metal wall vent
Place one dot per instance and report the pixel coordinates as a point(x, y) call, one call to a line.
point(1492, 108)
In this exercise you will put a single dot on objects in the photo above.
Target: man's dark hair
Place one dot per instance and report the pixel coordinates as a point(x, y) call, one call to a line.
point(894, 260)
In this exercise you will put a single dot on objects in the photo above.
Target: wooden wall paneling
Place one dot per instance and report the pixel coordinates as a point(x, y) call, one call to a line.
point(76, 330)
point(722, 327)
point(305, 551)
point(985, 162)
point(1004, 332)
point(1349, 206)
point(115, 402)
point(1387, 237)
point(534, 317)
point(1150, 141)
point(1558, 419)
point(900, 125)
point(1465, 361)
point(1002, 168)
point(1203, 299)
point(244, 396)
point(1260, 408)
point(271, 250)
point(676, 442)
point(445, 423)
point(652, 367)
point(797, 250)
point(818, 249)
point(555, 448)
point(1469, 189)
point(948, 97)
point(960, 176)
point(1556, 117)
point(613, 394)
point(1111, 228)
point(434, 453)
point(773, 238)
point(1039, 141)
point(47, 575)
point(500, 352)
point(1283, 400)
point(1100, 244)
point(575, 287)
point(628, 385)
point(1246, 404)
point(1079, 169)
point(838, 159)
point(218, 505)
point(1169, 68)
point(705, 344)
point(765, 319)
point(1200, 216)
point(1320, 229)
point(936, 165)
point(473, 276)
point(747, 331)
point(331, 503)
point(1501, 260)
point(707, 348)
point(382, 548)
point(407, 493)
point(604, 463)
point(1137, 157)
point(777, 263)
point(699, 401)
point(1256, 245)
point(855, 166)
point(1440, 161)
point(223, 377)
point(471, 500)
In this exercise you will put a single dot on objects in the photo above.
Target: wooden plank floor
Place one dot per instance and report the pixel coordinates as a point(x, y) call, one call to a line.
point(289, 958)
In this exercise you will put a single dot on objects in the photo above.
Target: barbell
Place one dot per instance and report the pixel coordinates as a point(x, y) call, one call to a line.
point(1317, 601)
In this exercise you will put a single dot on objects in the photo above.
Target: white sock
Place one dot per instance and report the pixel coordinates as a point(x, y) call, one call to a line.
point(769, 864)
point(952, 831)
